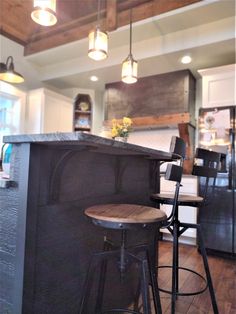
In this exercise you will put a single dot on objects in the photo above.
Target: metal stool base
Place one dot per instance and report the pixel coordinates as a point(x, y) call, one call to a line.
point(185, 293)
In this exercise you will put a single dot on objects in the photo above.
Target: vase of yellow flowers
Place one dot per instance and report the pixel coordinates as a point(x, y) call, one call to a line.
point(121, 129)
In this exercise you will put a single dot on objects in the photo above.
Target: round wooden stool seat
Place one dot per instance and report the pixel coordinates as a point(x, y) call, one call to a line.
point(183, 199)
point(118, 215)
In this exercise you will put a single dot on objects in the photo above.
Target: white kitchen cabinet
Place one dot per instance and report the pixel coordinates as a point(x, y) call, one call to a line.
point(218, 86)
point(186, 213)
point(48, 112)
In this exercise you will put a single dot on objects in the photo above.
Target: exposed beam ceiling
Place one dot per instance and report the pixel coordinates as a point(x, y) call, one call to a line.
point(75, 19)
point(204, 29)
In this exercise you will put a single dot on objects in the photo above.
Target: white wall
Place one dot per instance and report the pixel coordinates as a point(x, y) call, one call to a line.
point(24, 67)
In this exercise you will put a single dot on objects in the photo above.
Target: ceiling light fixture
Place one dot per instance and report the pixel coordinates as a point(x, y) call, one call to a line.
point(186, 59)
point(98, 41)
point(129, 72)
point(44, 12)
point(8, 74)
point(93, 78)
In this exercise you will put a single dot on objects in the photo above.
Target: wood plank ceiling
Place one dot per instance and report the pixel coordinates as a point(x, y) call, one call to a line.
point(76, 18)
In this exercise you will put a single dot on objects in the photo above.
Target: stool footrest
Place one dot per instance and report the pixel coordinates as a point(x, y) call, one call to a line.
point(185, 293)
point(120, 311)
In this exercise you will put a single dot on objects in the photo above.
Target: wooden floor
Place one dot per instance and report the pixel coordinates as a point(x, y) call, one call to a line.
point(223, 273)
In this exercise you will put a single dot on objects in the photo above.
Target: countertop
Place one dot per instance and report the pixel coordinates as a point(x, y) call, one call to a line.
point(106, 145)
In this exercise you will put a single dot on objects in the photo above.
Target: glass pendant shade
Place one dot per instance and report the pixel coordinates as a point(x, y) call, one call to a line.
point(8, 74)
point(129, 73)
point(98, 45)
point(44, 12)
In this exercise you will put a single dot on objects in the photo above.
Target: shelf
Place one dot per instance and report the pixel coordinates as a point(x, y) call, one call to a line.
point(149, 122)
point(83, 112)
point(77, 128)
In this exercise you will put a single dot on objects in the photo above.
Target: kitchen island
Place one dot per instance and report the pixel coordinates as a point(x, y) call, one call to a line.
point(45, 240)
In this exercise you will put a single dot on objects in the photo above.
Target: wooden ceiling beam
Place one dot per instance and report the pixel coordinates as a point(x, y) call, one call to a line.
point(14, 34)
point(111, 18)
point(79, 28)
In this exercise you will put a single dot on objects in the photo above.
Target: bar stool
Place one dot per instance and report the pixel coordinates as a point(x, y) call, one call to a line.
point(126, 217)
point(208, 169)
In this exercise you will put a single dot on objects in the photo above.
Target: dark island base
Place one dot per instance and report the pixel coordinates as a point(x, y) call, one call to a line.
point(65, 239)
point(55, 183)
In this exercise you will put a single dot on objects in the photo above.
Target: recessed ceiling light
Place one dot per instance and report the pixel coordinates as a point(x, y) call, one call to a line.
point(94, 78)
point(186, 59)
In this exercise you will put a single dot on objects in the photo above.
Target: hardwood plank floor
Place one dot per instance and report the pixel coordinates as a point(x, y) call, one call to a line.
point(223, 273)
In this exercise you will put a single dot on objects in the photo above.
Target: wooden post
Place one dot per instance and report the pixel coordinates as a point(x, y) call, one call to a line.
point(187, 132)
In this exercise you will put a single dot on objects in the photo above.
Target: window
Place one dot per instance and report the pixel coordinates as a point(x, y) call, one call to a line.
point(9, 116)
point(12, 104)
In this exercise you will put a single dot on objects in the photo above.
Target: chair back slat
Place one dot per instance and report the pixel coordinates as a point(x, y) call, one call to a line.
point(202, 171)
point(207, 155)
point(208, 168)
point(210, 163)
point(174, 173)
point(178, 146)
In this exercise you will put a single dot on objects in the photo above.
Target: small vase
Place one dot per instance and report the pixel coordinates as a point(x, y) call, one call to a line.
point(121, 139)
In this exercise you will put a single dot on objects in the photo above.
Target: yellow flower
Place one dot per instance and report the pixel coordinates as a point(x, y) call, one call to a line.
point(114, 121)
point(121, 129)
point(114, 132)
point(127, 121)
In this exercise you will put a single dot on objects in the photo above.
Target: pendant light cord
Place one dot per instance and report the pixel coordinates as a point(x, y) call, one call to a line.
point(130, 32)
point(98, 15)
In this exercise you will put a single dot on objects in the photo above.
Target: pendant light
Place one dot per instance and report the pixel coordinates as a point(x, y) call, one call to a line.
point(8, 74)
point(44, 12)
point(129, 74)
point(98, 41)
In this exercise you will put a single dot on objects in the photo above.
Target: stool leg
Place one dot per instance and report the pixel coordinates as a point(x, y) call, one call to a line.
point(154, 283)
point(87, 283)
point(101, 286)
point(175, 270)
point(207, 271)
point(145, 288)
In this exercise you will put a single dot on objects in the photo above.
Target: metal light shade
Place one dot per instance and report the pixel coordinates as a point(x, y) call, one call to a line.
point(129, 74)
point(98, 45)
point(44, 12)
point(8, 74)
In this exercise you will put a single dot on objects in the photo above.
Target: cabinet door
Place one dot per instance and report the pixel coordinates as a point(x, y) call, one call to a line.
point(218, 86)
point(66, 117)
point(58, 115)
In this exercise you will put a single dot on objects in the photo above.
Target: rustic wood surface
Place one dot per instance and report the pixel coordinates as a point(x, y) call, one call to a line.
point(157, 121)
point(182, 197)
point(126, 213)
point(75, 19)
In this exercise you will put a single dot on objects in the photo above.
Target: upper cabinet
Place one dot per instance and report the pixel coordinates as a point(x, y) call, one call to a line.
point(48, 112)
point(218, 86)
point(82, 113)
